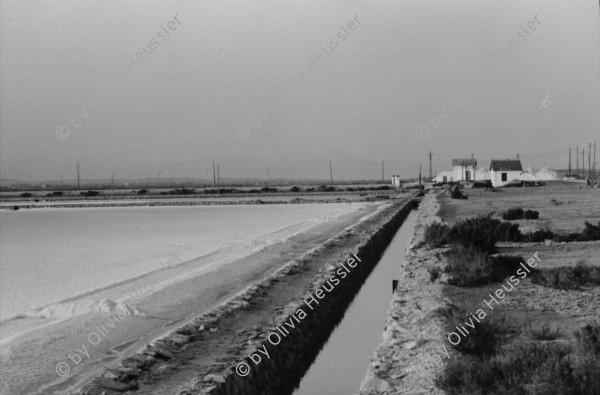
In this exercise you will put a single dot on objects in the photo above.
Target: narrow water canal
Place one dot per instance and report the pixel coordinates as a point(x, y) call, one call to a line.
point(342, 363)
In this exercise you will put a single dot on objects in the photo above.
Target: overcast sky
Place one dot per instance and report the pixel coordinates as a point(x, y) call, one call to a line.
point(233, 82)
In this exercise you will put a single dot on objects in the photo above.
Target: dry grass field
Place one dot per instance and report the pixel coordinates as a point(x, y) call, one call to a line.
point(543, 334)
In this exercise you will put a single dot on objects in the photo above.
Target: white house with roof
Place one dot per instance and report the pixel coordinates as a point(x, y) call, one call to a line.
point(505, 172)
point(464, 169)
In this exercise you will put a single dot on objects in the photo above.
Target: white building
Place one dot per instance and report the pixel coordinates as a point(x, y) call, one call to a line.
point(504, 172)
point(464, 169)
point(396, 181)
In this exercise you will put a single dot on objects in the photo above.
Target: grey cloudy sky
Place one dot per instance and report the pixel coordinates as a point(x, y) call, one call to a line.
point(229, 83)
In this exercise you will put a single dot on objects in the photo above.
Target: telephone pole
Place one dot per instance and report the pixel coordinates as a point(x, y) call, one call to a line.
point(577, 160)
point(594, 159)
point(419, 175)
point(331, 172)
point(214, 175)
point(78, 178)
point(430, 155)
point(583, 162)
point(590, 161)
point(569, 161)
point(382, 174)
point(218, 177)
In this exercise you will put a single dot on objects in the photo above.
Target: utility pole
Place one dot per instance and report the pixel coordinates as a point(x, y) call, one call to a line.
point(214, 175)
point(594, 159)
point(590, 161)
point(331, 172)
point(569, 161)
point(268, 177)
point(218, 177)
point(112, 181)
point(577, 160)
point(78, 178)
point(583, 162)
point(419, 175)
point(430, 155)
point(382, 174)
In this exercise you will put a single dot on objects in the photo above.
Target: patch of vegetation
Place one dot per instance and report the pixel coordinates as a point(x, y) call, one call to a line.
point(455, 193)
point(567, 277)
point(545, 332)
point(480, 232)
point(531, 214)
point(55, 193)
point(512, 214)
point(483, 232)
point(531, 368)
point(518, 213)
point(434, 272)
point(326, 188)
point(26, 194)
point(267, 189)
point(471, 267)
point(90, 193)
point(142, 192)
point(294, 189)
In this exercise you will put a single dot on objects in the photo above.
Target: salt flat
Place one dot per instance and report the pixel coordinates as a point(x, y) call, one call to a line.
point(152, 267)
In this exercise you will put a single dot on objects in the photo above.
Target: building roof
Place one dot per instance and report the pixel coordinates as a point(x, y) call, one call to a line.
point(506, 165)
point(464, 162)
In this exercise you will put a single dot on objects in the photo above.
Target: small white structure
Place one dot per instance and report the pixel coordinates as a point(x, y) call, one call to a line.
point(504, 172)
point(445, 176)
point(464, 169)
point(396, 181)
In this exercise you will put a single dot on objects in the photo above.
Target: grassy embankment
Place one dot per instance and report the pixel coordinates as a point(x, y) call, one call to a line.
point(511, 350)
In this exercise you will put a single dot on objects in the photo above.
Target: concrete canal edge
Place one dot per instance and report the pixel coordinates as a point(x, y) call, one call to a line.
point(291, 350)
point(413, 348)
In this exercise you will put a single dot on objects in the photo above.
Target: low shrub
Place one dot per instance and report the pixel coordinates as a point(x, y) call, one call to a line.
point(434, 272)
point(531, 214)
point(294, 189)
point(142, 192)
point(483, 232)
point(90, 193)
point(26, 194)
point(325, 188)
point(527, 369)
point(545, 332)
point(436, 234)
point(567, 277)
point(471, 267)
point(513, 213)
